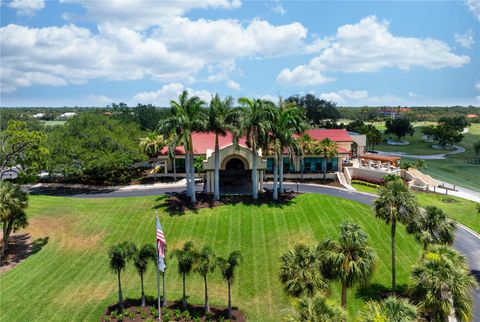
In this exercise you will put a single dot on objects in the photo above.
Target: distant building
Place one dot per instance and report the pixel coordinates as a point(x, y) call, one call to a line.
point(472, 116)
point(67, 115)
point(10, 174)
point(393, 112)
point(38, 115)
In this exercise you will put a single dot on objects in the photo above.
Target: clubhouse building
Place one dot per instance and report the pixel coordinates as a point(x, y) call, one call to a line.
point(236, 161)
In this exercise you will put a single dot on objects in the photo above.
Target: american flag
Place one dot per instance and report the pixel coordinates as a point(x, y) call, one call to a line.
point(160, 247)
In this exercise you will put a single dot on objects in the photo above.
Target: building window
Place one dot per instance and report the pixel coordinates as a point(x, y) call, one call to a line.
point(269, 165)
point(180, 165)
point(288, 165)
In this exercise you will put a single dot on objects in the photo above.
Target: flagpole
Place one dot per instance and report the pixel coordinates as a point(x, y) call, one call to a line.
point(160, 317)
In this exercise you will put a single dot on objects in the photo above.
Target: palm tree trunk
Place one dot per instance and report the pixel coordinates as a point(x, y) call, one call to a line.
point(193, 197)
point(302, 168)
point(254, 175)
point(344, 295)
point(120, 294)
point(229, 301)
point(275, 178)
point(143, 291)
point(164, 290)
point(4, 244)
point(207, 307)
point(280, 171)
point(187, 172)
point(394, 277)
point(216, 192)
point(184, 298)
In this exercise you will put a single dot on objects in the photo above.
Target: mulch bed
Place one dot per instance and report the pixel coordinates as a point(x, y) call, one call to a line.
point(180, 202)
point(20, 246)
point(134, 312)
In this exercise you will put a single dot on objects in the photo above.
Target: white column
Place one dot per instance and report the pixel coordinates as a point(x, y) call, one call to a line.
point(209, 182)
point(261, 180)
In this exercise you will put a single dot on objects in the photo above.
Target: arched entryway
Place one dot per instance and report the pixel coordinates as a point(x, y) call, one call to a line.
point(235, 176)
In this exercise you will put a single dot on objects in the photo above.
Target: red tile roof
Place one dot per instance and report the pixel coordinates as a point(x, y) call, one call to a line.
point(203, 141)
point(337, 135)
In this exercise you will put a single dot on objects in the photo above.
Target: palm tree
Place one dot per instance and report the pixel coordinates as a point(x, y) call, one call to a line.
point(256, 125)
point(373, 135)
point(187, 116)
point(395, 203)
point(392, 309)
point(186, 258)
point(13, 201)
point(316, 308)
point(141, 258)
point(119, 255)
point(305, 142)
point(227, 267)
point(300, 272)
point(206, 263)
point(219, 114)
point(441, 284)
point(327, 149)
point(350, 259)
point(433, 227)
point(152, 144)
point(289, 121)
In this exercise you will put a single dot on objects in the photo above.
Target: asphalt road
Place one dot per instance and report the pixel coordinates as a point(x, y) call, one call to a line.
point(466, 242)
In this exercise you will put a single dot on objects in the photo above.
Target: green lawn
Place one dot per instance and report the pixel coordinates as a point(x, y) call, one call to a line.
point(54, 123)
point(417, 145)
point(459, 209)
point(457, 169)
point(69, 279)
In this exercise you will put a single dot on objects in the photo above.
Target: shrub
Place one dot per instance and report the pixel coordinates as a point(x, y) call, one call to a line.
point(143, 315)
point(131, 314)
point(178, 314)
point(186, 315)
point(154, 312)
point(369, 183)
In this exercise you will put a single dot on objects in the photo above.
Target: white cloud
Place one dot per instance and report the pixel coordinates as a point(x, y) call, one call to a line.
point(268, 97)
point(474, 6)
point(358, 98)
point(141, 14)
point(412, 94)
point(233, 85)
point(27, 7)
point(74, 55)
point(278, 8)
point(99, 99)
point(332, 96)
point(223, 39)
point(169, 92)
point(369, 46)
point(303, 76)
point(477, 85)
point(465, 40)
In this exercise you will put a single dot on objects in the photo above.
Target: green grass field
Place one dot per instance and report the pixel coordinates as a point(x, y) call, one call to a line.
point(54, 123)
point(69, 279)
point(417, 145)
point(457, 169)
point(459, 209)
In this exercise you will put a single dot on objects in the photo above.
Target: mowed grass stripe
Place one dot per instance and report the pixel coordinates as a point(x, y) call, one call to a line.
point(74, 283)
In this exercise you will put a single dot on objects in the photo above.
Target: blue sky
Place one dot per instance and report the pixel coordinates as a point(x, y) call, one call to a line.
point(92, 53)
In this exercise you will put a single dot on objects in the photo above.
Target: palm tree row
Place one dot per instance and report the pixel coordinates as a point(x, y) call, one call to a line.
point(189, 260)
point(205, 262)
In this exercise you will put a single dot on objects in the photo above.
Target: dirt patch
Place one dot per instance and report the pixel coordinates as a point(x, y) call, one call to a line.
point(66, 231)
point(178, 203)
point(21, 246)
point(172, 312)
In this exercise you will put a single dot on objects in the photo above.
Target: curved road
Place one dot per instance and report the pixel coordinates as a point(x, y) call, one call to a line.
point(466, 241)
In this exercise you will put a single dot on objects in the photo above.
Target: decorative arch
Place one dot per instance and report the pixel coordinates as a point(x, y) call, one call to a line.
point(230, 157)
